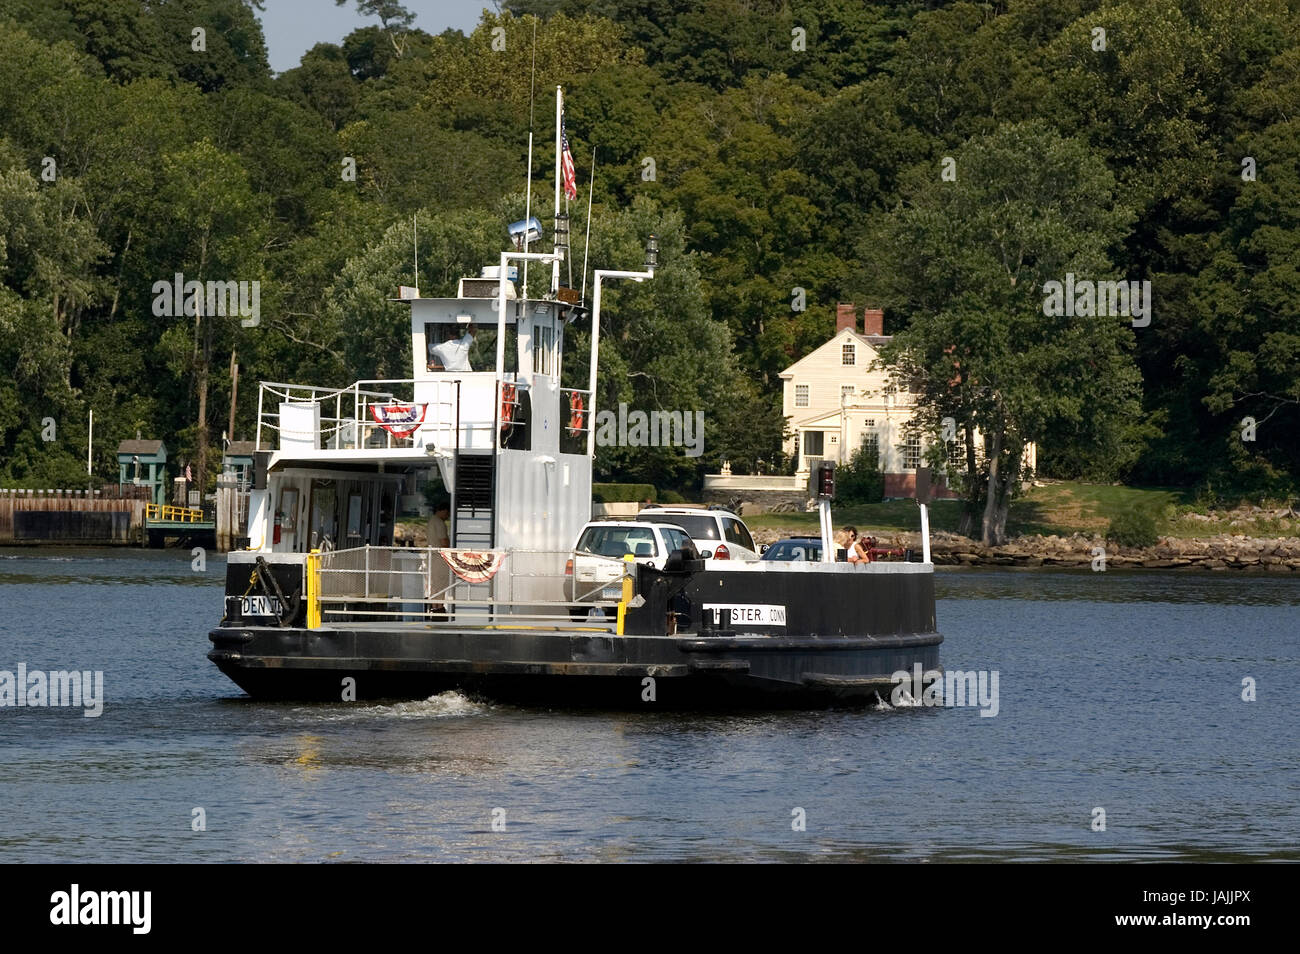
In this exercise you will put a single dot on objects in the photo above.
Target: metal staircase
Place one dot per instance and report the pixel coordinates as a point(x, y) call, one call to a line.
point(474, 520)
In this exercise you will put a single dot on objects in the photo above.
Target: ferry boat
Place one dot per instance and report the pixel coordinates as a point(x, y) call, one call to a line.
point(326, 604)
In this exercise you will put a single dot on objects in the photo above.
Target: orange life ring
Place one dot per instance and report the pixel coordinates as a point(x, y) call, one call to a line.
point(509, 395)
point(577, 417)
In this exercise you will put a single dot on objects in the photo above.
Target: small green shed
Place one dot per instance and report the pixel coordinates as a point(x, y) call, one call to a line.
point(143, 464)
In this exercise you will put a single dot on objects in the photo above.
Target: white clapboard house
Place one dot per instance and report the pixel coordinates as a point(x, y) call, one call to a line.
point(835, 402)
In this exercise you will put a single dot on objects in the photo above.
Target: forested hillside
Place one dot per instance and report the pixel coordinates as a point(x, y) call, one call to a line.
point(942, 161)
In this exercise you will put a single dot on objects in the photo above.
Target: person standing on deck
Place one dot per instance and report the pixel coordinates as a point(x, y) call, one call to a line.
point(439, 538)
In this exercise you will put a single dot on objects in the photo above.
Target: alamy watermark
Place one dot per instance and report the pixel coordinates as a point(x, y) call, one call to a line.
point(1087, 299)
point(951, 688)
point(656, 429)
point(178, 297)
point(60, 688)
point(129, 908)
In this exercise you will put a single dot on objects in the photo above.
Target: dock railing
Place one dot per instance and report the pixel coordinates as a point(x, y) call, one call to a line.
point(496, 587)
point(166, 513)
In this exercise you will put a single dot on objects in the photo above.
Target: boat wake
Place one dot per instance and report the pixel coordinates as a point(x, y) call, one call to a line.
point(904, 701)
point(445, 705)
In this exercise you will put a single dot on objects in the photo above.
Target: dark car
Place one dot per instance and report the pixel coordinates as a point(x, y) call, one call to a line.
point(795, 548)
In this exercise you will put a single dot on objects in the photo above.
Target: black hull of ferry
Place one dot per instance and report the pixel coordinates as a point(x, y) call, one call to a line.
point(837, 638)
point(564, 669)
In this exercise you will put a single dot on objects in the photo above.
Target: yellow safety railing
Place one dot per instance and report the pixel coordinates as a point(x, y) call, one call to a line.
point(313, 590)
point(173, 514)
point(627, 593)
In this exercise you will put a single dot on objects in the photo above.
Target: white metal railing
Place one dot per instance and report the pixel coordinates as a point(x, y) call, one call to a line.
point(353, 426)
point(339, 431)
point(417, 584)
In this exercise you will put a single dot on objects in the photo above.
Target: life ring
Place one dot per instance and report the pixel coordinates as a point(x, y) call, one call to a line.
point(577, 413)
point(509, 397)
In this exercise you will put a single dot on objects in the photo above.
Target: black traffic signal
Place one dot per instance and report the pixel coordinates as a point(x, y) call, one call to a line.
point(826, 479)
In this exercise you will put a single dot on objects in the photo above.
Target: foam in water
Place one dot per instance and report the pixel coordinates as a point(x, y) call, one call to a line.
point(444, 705)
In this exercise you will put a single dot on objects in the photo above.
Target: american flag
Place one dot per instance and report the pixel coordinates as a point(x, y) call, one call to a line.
point(566, 164)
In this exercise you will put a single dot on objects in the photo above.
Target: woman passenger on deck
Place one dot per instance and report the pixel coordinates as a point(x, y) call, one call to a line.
point(844, 540)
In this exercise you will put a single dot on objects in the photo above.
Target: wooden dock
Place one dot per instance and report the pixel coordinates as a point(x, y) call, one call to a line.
point(72, 517)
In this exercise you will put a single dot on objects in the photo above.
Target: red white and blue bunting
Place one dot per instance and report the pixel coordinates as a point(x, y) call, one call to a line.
point(473, 566)
point(400, 420)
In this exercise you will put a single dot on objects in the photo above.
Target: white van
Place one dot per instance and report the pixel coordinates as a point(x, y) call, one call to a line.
point(717, 534)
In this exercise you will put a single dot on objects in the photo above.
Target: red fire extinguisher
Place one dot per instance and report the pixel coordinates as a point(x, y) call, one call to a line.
point(276, 537)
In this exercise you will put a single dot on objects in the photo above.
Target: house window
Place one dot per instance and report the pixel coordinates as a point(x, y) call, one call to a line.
point(912, 452)
point(847, 391)
point(801, 395)
point(869, 422)
point(957, 454)
point(834, 439)
point(871, 446)
point(849, 355)
point(812, 444)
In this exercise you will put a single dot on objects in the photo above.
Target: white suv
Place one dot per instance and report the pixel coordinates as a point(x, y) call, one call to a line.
point(719, 533)
point(596, 569)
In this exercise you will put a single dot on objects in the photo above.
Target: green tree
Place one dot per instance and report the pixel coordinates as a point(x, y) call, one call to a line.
point(860, 480)
point(728, 161)
point(968, 261)
point(210, 226)
point(323, 82)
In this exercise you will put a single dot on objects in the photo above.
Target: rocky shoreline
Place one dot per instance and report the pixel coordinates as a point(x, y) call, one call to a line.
point(1223, 552)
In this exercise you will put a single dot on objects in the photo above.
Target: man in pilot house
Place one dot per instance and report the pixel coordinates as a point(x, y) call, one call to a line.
point(453, 353)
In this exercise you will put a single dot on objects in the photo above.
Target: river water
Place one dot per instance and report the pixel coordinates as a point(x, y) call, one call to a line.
point(1119, 692)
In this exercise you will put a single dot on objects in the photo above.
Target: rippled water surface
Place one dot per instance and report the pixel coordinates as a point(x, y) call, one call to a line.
point(1119, 691)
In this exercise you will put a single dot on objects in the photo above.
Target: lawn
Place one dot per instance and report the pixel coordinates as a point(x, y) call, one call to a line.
point(1056, 508)
point(889, 515)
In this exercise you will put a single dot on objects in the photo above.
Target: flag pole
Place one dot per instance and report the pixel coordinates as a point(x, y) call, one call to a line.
point(559, 120)
point(591, 191)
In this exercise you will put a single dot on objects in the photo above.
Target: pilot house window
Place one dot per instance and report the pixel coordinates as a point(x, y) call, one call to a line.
point(543, 344)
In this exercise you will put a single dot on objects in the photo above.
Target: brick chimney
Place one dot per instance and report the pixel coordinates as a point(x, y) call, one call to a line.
point(846, 316)
point(873, 321)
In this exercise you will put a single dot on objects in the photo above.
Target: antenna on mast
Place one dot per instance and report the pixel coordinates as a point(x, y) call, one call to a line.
point(528, 200)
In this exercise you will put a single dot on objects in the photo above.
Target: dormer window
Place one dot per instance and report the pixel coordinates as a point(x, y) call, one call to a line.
point(849, 355)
